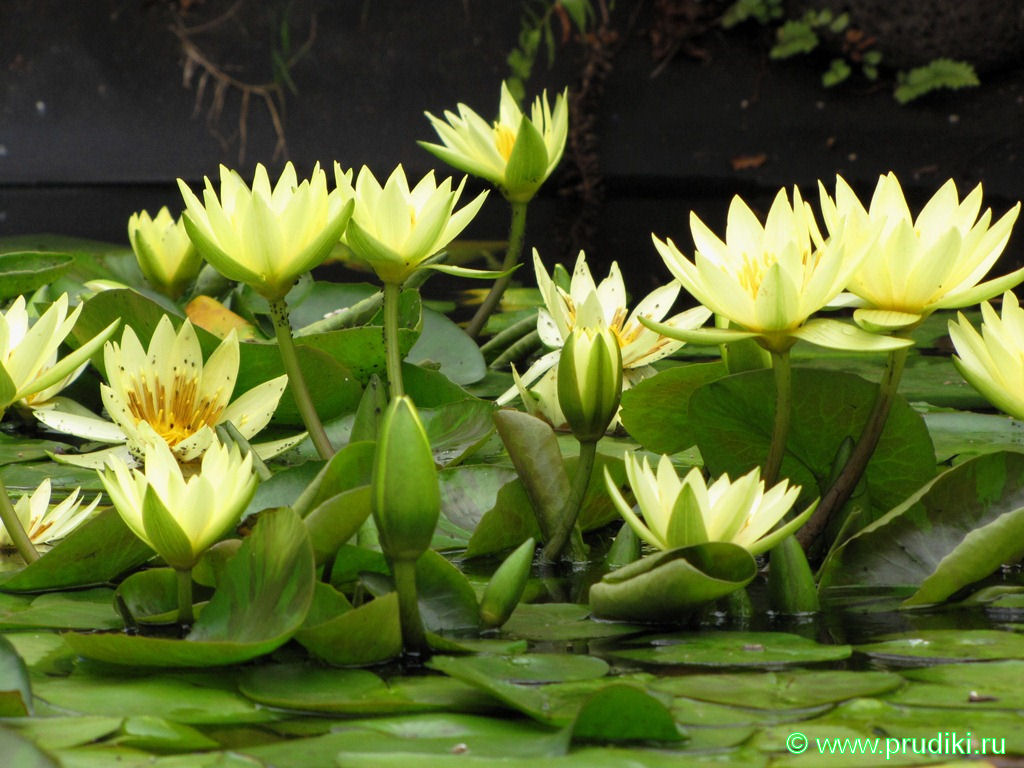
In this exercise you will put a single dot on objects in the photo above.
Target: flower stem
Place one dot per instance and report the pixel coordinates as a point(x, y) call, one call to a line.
point(185, 615)
point(300, 392)
point(516, 235)
point(567, 520)
point(839, 493)
point(392, 293)
point(14, 527)
point(414, 638)
point(783, 412)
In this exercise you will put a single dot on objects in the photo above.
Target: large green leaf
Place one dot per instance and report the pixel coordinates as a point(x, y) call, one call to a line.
point(943, 645)
point(669, 586)
point(24, 271)
point(733, 420)
point(952, 532)
point(963, 434)
point(97, 551)
point(262, 598)
point(655, 412)
point(368, 634)
point(732, 649)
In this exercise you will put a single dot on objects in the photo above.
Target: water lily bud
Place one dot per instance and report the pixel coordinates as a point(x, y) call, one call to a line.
point(406, 497)
point(590, 381)
point(506, 586)
point(165, 253)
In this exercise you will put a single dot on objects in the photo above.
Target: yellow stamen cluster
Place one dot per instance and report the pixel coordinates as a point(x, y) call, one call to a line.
point(176, 412)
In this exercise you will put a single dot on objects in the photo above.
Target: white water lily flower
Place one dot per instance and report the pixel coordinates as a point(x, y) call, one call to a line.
point(516, 154)
point(768, 280)
point(266, 236)
point(395, 229)
point(599, 306)
point(45, 524)
point(180, 519)
point(169, 390)
point(683, 513)
point(993, 361)
point(166, 255)
point(911, 267)
point(29, 370)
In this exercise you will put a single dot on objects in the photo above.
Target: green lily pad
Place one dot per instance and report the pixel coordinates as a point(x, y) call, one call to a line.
point(559, 622)
point(457, 429)
point(19, 449)
point(15, 689)
point(262, 599)
point(526, 667)
point(669, 586)
point(468, 491)
point(655, 413)
point(934, 646)
point(63, 732)
point(951, 533)
point(780, 690)
point(155, 734)
point(150, 593)
point(24, 271)
point(982, 685)
point(18, 750)
point(733, 417)
point(97, 551)
point(506, 524)
point(368, 634)
point(963, 434)
point(734, 649)
point(84, 609)
point(193, 699)
point(624, 712)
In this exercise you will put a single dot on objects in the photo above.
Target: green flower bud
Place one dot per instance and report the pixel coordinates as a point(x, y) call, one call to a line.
point(506, 586)
point(590, 381)
point(405, 494)
point(165, 253)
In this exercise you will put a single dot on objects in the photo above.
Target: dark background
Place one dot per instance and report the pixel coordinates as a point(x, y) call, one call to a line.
point(98, 117)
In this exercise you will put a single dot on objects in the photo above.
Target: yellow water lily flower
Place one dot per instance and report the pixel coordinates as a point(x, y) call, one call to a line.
point(768, 280)
point(682, 513)
point(993, 361)
point(395, 229)
point(266, 236)
point(599, 305)
point(166, 255)
point(516, 154)
point(180, 519)
point(910, 267)
point(167, 389)
point(45, 524)
point(30, 372)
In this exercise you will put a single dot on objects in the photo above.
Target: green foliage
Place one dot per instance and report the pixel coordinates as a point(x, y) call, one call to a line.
point(537, 30)
point(940, 73)
point(761, 11)
point(795, 36)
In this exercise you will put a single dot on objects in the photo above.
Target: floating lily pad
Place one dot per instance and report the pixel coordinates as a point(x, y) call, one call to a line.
point(15, 689)
point(624, 713)
point(558, 622)
point(984, 685)
point(368, 634)
point(789, 690)
point(155, 734)
point(86, 609)
point(940, 645)
point(527, 667)
point(64, 732)
point(20, 751)
point(734, 649)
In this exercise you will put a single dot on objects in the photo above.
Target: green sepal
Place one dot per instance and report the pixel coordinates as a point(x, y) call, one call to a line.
point(686, 523)
point(527, 164)
point(477, 274)
point(164, 533)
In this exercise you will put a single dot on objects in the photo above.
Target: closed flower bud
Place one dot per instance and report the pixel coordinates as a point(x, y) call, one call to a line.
point(590, 381)
point(506, 586)
point(405, 494)
point(165, 253)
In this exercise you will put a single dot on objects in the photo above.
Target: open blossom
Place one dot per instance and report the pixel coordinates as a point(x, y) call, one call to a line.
point(768, 280)
point(993, 361)
point(516, 153)
point(910, 267)
point(683, 513)
point(170, 391)
point(395, 229)
point(45, 524)
point(587, 304)
point(29, 369)
point(181, 518)
point(266, 236)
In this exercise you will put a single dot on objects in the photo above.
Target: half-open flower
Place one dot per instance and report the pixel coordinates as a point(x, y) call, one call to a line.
point(516, 154)
point(45, 524)
point(909, 267)
point(590, 304)
point(682, 513)
point(180, 519)
point(395, 229)
point(268, 235)
point(166, 255)
point(168, 390)
point(768, 280)
point(29, 369)
point(993, 361)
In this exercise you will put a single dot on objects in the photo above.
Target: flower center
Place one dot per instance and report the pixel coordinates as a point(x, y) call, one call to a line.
point(504, 140)
point(752, 273)
point(175, 412)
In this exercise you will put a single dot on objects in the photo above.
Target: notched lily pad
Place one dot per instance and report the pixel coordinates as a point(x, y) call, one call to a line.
point(938, 645)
